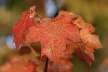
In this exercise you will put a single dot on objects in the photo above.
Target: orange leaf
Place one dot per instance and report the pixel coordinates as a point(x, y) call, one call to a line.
point(64, 66)
point(24, 22)
point(90, 42)
point(53, 35)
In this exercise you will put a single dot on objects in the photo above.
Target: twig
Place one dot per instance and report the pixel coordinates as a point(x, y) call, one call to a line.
point(46, 65)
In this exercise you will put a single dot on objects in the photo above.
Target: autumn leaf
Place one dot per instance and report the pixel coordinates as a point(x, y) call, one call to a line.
point(85, 54)
point(59, 37)
point(89, 41)
point(70, 49)
point(25, 21)
point(19, 63)
point(64, 66)
point(53, 35)
point(18, 67)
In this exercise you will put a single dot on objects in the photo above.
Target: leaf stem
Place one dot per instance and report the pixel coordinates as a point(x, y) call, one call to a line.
point(32, 49)
point(46, 65)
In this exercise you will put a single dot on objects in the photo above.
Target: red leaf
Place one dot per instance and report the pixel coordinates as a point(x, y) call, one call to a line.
point(89, 39)
point(53, 35)
point(70, 49)
point(90, 42)
point(19, 67)
point(24, 22)
point(31, 67)
point(85, 54)
point(64, 66)
point(18, 63)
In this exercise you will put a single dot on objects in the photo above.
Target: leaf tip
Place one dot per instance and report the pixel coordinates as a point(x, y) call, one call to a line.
point(32, 12)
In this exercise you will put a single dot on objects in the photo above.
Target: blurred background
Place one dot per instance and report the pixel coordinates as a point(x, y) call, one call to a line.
point(92, 11)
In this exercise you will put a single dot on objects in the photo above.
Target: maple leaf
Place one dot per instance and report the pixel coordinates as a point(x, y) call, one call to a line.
point(24, 22)
point(89, 41)
point(19, 63)
point(53, 35)
point(70, 49)
point(85, 54)
point(64, 66)
point(18, 67)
